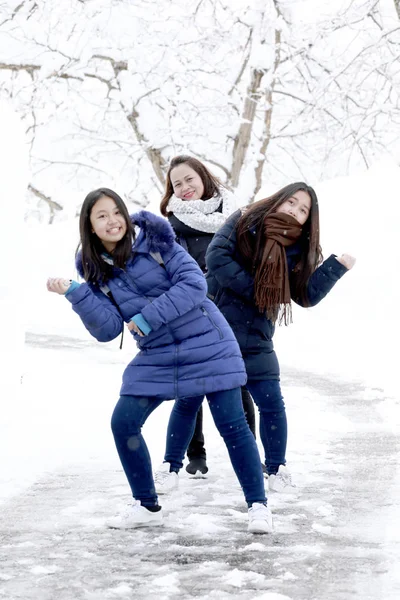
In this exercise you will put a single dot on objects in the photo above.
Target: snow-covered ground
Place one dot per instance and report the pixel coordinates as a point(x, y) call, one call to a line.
point(337, 538)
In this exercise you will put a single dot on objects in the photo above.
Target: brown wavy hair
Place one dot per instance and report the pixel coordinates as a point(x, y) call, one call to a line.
point(251, 246)
point(211, 183)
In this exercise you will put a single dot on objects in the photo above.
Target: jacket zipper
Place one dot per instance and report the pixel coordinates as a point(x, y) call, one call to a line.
point(207, 314)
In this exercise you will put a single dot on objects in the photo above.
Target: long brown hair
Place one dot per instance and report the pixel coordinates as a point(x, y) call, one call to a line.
point(251, 245)
point(94, 267)
point(211, 183)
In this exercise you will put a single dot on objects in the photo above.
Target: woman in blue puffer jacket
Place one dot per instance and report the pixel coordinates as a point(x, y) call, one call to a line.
point(136, 273)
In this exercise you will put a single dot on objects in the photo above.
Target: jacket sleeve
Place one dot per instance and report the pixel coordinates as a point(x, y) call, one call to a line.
point(322, 280)
point(221, 263)
point(188, 290)
point(98, 314)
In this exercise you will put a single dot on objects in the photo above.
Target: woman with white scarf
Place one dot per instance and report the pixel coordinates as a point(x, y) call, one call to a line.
point(196, 205)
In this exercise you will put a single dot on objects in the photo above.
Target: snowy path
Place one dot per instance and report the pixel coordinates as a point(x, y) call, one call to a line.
point(335, 539)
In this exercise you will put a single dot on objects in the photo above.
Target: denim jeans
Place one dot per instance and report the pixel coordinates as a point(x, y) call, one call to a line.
point(226, 408)
point(196, 447)
point(273, 424)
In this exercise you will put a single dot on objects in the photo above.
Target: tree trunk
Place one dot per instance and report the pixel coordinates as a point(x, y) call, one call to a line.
point(268, 117)
point(153, 154)
point(242, 139)
point(397, 7)
point(264, 146)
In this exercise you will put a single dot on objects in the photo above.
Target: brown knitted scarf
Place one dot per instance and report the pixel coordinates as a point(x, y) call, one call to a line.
point(271, 282)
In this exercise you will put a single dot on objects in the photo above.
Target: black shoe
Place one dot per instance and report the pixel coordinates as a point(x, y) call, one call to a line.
point(197, 465)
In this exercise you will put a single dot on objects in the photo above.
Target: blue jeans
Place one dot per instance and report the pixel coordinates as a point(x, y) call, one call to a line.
point(196, 447)
point(226, 407)
point(273, 423)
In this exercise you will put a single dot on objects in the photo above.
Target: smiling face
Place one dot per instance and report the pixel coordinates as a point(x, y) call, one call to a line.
point(298, 206)
point(186, 183)
point(107, 222)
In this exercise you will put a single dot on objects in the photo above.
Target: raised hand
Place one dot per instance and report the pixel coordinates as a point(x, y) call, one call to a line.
point(58, 285)
point(347, 260)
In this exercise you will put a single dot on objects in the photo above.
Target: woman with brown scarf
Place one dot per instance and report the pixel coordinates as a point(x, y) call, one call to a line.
point(260, 260)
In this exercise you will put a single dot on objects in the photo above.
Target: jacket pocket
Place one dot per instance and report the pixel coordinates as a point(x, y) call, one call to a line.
point(213, 323)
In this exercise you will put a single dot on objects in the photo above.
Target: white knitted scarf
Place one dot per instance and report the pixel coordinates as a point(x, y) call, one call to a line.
point(201, 214)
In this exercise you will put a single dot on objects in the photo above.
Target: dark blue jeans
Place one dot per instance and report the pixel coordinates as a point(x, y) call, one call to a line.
point(196, 447)
point(226, 408)
point(273, 424)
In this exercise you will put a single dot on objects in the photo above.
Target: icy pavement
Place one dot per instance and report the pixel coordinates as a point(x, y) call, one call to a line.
point(336, 538)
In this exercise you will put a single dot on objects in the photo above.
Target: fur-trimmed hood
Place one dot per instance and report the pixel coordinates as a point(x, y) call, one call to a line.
point(156, 235)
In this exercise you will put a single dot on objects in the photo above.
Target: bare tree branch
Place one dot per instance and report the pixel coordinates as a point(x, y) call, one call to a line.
point(66, 76)
point(52, 204)
point(15, 11)
point(154, 154)
point(23, 67)
point(247, 50)
point(212, 162)
point(198, 7)
point(108, 83)
point(48, 163)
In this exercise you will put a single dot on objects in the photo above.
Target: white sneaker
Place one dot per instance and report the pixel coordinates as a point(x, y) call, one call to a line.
point(260, 518)
point(136, 515)
point(165, 481)
point(282, 481)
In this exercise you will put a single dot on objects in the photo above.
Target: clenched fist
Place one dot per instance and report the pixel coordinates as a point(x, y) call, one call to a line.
point(347, 261)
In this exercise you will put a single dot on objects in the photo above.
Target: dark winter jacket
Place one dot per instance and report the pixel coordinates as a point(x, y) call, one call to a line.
point(190, 350)
point(194, 241)
point(232, 288)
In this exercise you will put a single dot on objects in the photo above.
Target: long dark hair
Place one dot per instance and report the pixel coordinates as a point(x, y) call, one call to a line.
point(251, 246)
point(211, 183)
point(95, 268)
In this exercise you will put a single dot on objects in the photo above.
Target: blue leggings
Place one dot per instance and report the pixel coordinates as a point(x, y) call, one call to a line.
point(226, 408)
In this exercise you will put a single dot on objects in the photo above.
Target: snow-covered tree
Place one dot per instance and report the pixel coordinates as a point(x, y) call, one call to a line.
point(262, 90)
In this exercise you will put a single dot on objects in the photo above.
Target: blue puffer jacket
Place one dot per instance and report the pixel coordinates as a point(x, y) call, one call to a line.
point(190, 350)
point(232, 288)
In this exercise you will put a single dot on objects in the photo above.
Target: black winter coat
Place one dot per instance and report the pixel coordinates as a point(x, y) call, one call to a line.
point(231, 287)
point(195, 242)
